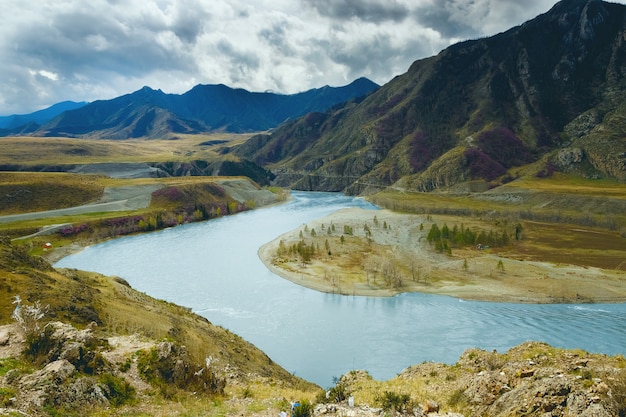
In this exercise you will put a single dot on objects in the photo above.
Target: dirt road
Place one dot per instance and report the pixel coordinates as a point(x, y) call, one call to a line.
point(113, 199)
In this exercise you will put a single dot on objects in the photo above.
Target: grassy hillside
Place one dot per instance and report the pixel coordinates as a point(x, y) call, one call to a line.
point(81, 298)
point(20, 193)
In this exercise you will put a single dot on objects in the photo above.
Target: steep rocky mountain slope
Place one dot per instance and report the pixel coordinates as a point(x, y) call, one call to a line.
point(549, 92)
point(205, 108)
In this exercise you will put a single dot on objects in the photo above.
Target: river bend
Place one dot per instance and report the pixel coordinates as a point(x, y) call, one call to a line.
point(213, 268)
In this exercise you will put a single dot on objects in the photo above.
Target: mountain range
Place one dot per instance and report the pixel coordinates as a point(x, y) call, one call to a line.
point(205, 108)
point(26, 121)
point(546, 95)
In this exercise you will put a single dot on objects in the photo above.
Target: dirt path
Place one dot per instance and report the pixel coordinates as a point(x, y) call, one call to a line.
point(398, 258)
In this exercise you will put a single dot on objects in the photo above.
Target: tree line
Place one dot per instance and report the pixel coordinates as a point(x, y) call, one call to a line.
point(444, 238)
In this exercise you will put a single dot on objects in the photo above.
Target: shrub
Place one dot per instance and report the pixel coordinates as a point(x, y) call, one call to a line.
point(169, 363)
point(38, 338)
point(117, 390)
point(28, 316)
point(336, 394)
point(305, 409)
point(39, 345)
point(391, 401)
point(6, 396)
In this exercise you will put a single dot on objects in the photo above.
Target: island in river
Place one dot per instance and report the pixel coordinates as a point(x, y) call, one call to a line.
point(383, 253)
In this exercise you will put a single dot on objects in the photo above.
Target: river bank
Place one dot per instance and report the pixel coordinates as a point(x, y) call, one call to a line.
point(394, 256)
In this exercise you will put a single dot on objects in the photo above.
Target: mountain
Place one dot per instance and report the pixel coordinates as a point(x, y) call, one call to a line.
point(38, 117)
point(549, 93)
point(205, 108)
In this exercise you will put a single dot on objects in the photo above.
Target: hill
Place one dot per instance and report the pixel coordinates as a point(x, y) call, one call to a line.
point(547, 95)
point(205, 108)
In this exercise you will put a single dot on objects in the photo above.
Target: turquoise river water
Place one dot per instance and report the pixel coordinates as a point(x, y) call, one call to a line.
point(213, 268)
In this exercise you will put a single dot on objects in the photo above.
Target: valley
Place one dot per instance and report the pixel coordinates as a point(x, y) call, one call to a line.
point(499, 165)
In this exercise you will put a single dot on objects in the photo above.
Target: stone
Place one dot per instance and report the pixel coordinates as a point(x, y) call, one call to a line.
point(430, 406)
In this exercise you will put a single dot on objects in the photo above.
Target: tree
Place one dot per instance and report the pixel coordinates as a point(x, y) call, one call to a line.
point(500, 266)
point(434, 234)
point(282, 249)
point(445, 232)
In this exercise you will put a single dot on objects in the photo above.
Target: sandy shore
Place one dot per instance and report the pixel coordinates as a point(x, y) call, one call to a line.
point(397, 258)
point(398, 249)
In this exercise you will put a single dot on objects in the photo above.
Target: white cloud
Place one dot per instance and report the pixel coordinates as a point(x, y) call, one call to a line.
point(55, 50)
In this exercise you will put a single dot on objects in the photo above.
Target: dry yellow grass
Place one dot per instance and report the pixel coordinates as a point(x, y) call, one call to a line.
point(550, 264)
point(62, 151)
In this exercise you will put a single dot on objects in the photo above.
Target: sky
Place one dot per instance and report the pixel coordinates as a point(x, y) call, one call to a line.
point(57, 50)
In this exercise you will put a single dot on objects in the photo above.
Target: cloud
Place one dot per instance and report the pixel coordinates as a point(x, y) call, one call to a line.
point(55, 50)
point(365, 10)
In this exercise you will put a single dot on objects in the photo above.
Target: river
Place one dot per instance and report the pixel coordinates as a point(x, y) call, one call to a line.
point(213, 268)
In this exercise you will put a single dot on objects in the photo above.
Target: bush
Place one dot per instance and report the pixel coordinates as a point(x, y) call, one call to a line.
point(28, 316)
point(391, 401)
point(6, 396)
point(169, 363)
point(305, 409)
point(117, 390)
point(337, 394)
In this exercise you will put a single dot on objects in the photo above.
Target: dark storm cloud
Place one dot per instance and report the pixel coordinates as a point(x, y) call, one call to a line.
point(366, 10)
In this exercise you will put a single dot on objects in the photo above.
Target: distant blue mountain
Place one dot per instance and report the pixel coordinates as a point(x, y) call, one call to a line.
point(39, 117)
point(205, 108)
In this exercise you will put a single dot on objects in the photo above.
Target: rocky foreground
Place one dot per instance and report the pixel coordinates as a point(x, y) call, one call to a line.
point(532, 379)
